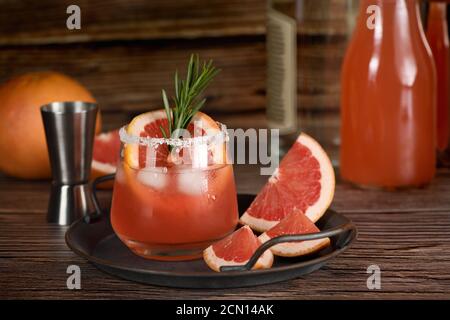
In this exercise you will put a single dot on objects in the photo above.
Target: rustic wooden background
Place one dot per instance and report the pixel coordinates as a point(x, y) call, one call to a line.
point(127, 50)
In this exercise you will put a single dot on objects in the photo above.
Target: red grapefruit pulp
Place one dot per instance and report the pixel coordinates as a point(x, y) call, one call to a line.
point(105, 156)
point(303, 182)
point(294, 223)
point(149, 125)
point(236, 249)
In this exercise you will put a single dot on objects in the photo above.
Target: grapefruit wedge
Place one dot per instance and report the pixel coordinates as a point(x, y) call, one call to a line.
point(294, 223)
point(236, 249)
point(303, 182)
point(106, 153)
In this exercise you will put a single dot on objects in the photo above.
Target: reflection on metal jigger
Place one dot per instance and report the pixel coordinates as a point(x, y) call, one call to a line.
point(69, 130)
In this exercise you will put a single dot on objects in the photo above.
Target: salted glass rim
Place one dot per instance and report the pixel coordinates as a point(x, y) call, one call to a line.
point(220, 137)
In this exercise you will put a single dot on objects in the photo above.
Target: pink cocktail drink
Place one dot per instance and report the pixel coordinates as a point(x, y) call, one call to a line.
point(173, 213)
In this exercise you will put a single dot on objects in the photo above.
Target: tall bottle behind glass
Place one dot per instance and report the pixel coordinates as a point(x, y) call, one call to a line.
point(388, 130)
point(437, 34)
point(306, 41)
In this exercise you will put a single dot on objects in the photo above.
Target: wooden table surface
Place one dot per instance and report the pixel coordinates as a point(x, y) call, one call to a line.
point(406, 233)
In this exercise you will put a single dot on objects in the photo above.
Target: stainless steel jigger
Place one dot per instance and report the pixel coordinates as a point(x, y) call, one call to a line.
point(69, 130)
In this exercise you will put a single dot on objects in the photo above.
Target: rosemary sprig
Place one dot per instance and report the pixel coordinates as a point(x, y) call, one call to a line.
point(186, 101)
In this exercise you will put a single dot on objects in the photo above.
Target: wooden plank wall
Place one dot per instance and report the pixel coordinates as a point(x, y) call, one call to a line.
point(127, 50)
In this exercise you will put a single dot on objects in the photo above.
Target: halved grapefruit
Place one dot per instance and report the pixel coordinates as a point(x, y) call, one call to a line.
point(294, 223)
point(303, 182)
point(236, 249)
point(148, 125)
point(105, 156)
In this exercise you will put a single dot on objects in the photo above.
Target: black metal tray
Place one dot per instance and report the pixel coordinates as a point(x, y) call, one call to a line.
point(94, 239)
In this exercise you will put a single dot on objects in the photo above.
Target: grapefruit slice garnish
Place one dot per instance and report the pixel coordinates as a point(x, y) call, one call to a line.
point(148, 125)
point(145, 125)
point(106, 153)
point(303, 182)
point(236, 249)
point(294, 223)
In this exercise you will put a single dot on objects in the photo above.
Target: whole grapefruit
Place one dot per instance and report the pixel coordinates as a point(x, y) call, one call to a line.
point(23, 147)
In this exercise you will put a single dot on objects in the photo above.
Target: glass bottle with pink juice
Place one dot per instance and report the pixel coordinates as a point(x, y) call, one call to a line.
point(388, 98)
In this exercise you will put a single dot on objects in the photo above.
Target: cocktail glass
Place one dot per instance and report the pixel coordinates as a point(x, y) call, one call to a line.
point(178, 198)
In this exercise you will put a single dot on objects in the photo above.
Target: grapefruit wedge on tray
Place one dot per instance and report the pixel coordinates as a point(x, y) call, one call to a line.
point(236, 249)
point(294, 223)
point(304, 182)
